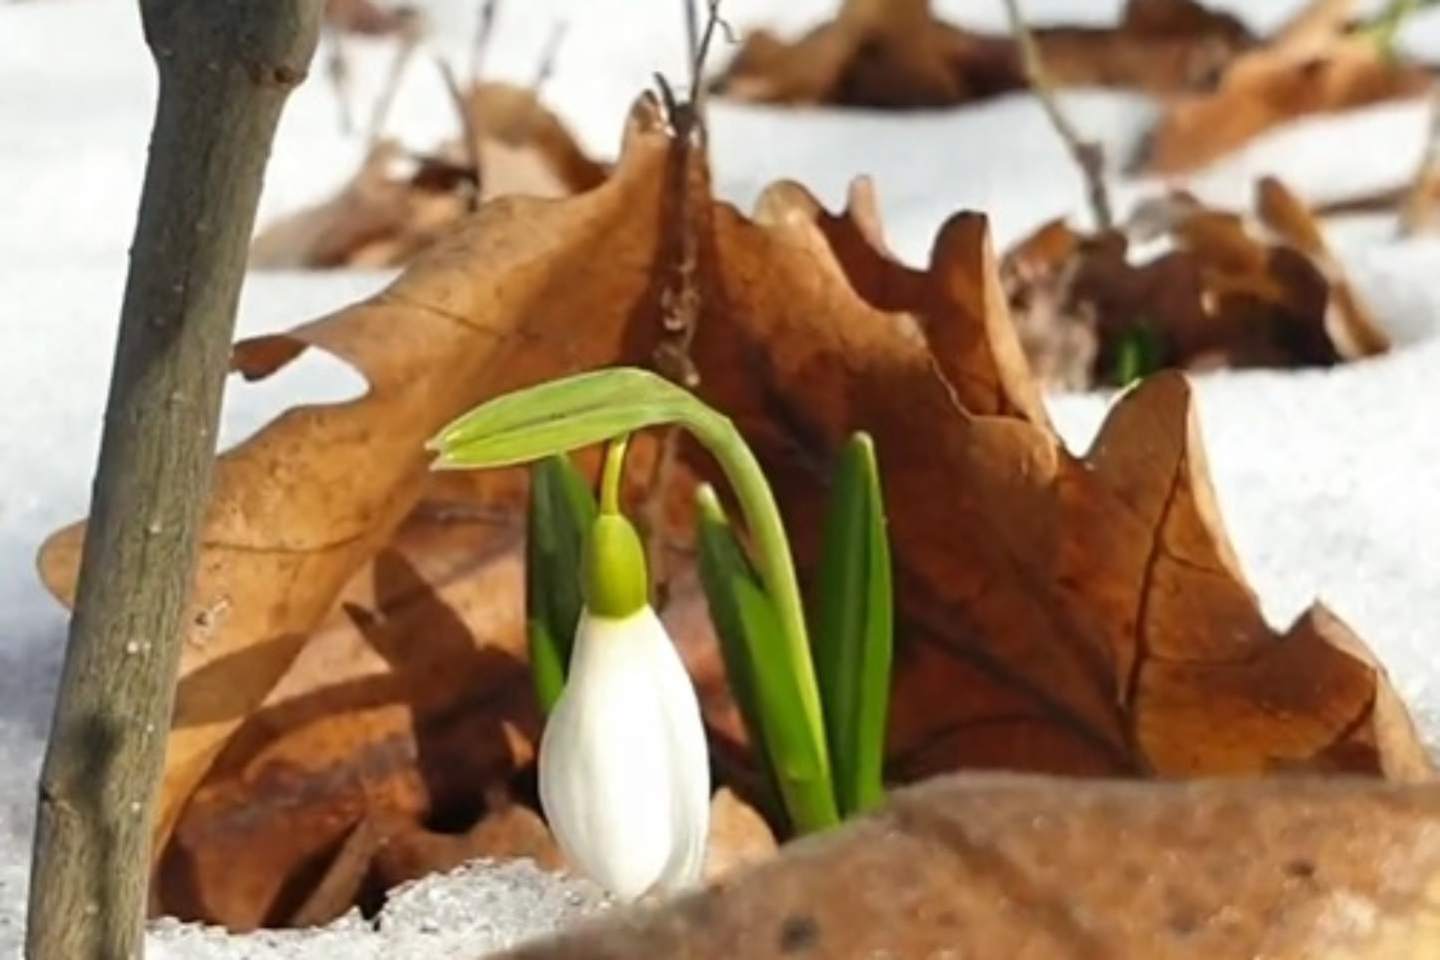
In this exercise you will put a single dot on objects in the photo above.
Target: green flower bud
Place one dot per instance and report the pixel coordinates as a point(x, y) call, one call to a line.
point(614, 580)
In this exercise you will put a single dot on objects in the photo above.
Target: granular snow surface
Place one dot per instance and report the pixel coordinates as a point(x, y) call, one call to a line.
point(1329, 481)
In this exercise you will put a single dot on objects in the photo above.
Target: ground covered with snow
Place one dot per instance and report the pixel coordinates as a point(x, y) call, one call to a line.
point(461, 915)
point(1329, 481)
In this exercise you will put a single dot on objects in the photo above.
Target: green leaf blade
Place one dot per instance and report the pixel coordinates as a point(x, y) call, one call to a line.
point(854, 641)
point(767, 691)
point(559, 416)
point(561, 510)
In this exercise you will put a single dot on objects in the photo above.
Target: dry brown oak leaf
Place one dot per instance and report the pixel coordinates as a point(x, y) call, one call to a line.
point(1316, 64)
point(399, 204)
point(997, 867)
point(896, 54)
point(1063, 614)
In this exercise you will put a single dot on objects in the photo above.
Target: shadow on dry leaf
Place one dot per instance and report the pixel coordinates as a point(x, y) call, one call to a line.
point(354, 652)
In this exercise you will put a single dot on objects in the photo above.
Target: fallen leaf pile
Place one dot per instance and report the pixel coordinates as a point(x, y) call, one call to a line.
point(1223, 293)
point(353, 705)
point(399, 204)
point(1220, 86)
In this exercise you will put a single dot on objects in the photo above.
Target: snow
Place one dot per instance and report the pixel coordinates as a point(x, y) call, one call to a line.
point(480, 907)
point(1329, 481)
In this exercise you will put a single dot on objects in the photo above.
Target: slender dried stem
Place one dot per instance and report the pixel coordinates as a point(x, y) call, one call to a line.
point(484, 30)
point(225, 70)
point(1086, 154)
point(407, 42)
point(468, 133)
point(546, 67)
point(699, 53)
point(681, 302)
point(692, 37)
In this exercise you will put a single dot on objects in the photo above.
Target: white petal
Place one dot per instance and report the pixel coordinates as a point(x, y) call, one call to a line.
point(624, 775)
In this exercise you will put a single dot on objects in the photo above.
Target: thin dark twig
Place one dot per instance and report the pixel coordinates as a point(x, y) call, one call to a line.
point(548, 54)
point(409, 40)
point(484, 30)
point(701, 53)
point(691, 36)
point(668, 100)
point(681, 301)
point(468, 132)
point(1086, 154)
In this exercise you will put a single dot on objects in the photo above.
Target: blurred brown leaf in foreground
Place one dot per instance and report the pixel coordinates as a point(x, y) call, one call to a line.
point(1000, 867)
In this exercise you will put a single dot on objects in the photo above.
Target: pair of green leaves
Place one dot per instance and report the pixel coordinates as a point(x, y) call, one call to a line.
point(852, 642)
point(851, 639)
point(756, 606)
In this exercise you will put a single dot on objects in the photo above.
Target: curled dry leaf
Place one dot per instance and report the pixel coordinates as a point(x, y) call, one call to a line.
point(1315, 65)
point(1349, 322)
point(894, 53)
point(355, 649)
point(999, 867)
point(1225, 292)
point(398, 204)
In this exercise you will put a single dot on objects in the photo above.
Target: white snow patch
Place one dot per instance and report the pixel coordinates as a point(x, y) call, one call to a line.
point(475, 909)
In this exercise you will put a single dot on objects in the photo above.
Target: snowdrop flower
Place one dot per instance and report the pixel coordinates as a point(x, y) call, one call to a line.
point(624, 772)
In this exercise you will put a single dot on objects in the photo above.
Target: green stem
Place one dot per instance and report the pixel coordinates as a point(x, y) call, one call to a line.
point(776, 566)
point(610, 475)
